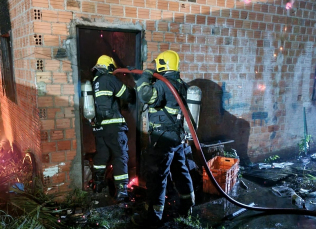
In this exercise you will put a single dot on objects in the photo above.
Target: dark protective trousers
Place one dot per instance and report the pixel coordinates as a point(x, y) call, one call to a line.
point(111, 144)
point(165, 155)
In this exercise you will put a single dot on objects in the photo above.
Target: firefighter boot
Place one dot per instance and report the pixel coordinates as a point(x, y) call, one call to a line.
point(121, 192)
point(98, 180)
point(185, 208)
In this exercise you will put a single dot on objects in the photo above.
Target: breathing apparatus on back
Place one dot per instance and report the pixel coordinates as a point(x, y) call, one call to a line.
point(167, 62)
point(105, 64)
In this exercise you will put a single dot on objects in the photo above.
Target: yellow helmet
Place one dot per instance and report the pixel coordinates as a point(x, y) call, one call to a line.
point(106, 62)
point(167, 61)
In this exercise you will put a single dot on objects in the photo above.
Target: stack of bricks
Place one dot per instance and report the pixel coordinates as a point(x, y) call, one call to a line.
point(256, 49)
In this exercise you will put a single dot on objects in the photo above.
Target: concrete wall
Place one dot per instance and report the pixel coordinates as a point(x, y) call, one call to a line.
point(254, 62)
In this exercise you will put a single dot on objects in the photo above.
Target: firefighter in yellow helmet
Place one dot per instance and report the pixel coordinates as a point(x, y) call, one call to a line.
point(166, 151)
point(110, 126)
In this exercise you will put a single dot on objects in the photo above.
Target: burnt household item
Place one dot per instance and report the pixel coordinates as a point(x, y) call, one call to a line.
point(225, 172)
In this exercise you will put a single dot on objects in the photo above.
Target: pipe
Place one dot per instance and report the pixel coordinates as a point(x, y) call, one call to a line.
point(202, 158)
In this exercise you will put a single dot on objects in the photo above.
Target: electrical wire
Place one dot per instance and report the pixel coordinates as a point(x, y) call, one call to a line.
point(202, 158)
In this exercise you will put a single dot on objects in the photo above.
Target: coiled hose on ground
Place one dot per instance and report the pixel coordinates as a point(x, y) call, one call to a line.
point(202, 158)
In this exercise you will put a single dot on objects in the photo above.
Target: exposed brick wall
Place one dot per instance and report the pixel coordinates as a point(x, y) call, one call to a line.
point(253, 61)
point(20, 119)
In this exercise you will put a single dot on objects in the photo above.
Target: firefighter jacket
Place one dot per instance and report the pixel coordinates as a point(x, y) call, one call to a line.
point(107, 91)
point(164, 111)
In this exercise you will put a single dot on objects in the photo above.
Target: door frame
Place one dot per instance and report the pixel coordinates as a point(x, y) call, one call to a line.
point(139, 65)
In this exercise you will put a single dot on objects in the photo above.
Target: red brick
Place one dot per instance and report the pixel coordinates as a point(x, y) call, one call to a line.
point(155, 14)
point(59, 28)
point(167, 16)
point(59, 77)
point(62, 123)
point(139, 3)
point(174, 6)
point(66, 166)
point(65, 16)
point(51, 112)
point(51, 65)
point(143, 13)
point(88, 7)
point(70, 155)
point(61, 101)
point(74, 142)
point(163, 26)
point(162, 5)
point(63, 145)
point(151, 3)
point(66, 65)
point(163, 46)
point(48, 147)
point(190, 19)
point(169, 37)
point(45, 77)
point(157, 36)
point(103, 9)
point(53, 89)
point(42, 27)
point(49, 15)
point(42, 53)
point(68, 90)
point(57, 157)
point(216, 11)
point(69, 112)
point(48, 124)
point(57, 4)
point(179, 17)
point(131, 12)
point(151, 25)
point(40, 3)
point(200, 19)
point(56, 134)
point(195, 9)
point(152, 46)
point(73, 5)
point(51, 40)
point(70, 133)
point(45, 101)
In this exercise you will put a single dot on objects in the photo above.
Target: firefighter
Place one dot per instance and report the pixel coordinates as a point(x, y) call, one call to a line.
point(109, 127)
point(166, 148)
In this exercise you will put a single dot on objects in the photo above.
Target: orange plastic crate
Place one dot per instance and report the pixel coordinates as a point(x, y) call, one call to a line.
point(225, 172)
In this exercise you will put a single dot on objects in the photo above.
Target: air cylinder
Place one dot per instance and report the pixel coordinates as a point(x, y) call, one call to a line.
point(194, 96)
point(88, 100)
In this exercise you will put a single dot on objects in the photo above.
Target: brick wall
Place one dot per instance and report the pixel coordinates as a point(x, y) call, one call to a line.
point(253, 61)
point(20, 119)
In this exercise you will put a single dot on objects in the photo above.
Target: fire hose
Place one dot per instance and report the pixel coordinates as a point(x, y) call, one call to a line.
point(202, 158)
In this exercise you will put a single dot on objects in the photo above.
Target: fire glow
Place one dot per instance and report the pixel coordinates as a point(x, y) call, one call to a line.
point(134, 181)
point(261, 87)
point(288, 5)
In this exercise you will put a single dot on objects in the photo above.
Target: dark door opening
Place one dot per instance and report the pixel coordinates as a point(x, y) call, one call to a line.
point(124, 46)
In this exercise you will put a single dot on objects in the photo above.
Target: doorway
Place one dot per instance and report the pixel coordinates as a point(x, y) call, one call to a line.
point(124, 46)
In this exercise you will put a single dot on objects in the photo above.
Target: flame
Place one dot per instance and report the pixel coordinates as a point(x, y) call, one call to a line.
point(134, 181)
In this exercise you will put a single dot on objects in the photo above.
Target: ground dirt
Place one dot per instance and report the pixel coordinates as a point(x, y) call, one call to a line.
point(211, 210)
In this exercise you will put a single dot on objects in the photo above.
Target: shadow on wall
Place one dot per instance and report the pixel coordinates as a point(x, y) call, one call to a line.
point(218, 124)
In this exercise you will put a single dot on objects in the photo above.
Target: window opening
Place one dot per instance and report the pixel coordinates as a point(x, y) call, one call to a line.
point(6, 62)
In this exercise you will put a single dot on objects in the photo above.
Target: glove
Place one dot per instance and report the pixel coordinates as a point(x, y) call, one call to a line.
point(148, 74)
